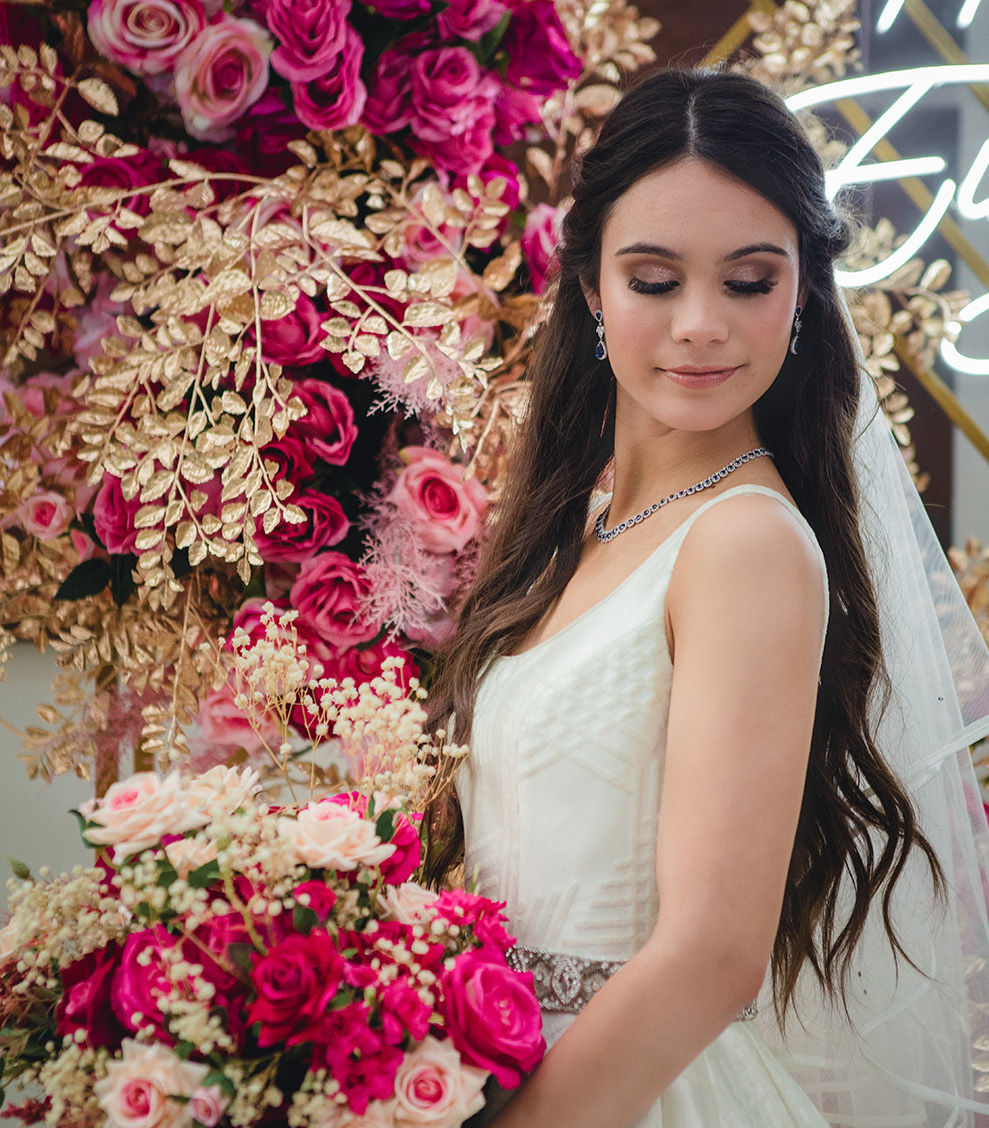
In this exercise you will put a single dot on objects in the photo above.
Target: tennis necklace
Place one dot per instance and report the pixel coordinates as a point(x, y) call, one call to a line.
point(606, 535)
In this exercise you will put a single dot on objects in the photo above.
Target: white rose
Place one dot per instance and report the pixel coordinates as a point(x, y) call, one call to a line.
point(140, 1089)
point(10, 940)
point(379, 1114)
point(187, 854)
point(434, 1089)
point(220, 791)
point(330, 836)
point(408, 903)
point(136, 812)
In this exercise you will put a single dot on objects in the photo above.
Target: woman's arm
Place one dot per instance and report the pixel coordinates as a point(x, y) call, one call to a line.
point(746, 611)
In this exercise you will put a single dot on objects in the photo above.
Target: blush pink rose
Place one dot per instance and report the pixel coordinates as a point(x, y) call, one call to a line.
point(470, 19)
point(408, 903)
point(145, 35)
point(445, 508)
point(135, 813)
point(330, 836)
point(492, 1016)
point(336, 98)
point(539, 54)
point(225, 729)
point(148, 1087)
point(329, 594)
point(208, 1105)
point(44, 515)
point(113, 517)
point(311, 35)
point(220, 75)
point(294, 338)
point(325, 524)
point(328, 426)
point(434, 1089)
point(223, 790)
point(539, 242)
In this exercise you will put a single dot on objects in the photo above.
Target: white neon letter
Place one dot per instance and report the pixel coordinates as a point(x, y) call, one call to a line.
point(967, 14)
point(966, 191)
point(952, 356)
point(888, 15)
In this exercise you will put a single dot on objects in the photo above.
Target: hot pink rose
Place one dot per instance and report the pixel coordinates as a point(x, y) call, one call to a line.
point(329, 595)
point(336, 98)
point(539, 54)
point(453, 107)
point(434, 1089)
point(114, 516)
point(44, 515)
point(514, 110)
point(264, 132)
point(124, 173)
point(85, 1001)
point(149, 1087)
point(315, 895)
point(539, 241)
point(311, 35)
point(389, 101)
point(294, 338)
point(141, 981)
point(408, 852)
point(470, 19)
point(325, 524)
point(328, 425)
point(295, 984)
point(445, 508)
point(492, 1016)
point(219, 75)
point(466, 151)
point(292, 459)
point(145, 35)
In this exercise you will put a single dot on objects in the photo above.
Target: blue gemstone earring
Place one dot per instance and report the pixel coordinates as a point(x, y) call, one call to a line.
point(601, 351)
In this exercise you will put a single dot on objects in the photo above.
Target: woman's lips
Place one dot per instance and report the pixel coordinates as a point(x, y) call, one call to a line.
point(691, 377)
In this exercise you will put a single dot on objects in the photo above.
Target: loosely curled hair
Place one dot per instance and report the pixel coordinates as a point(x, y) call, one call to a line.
point(856, 824)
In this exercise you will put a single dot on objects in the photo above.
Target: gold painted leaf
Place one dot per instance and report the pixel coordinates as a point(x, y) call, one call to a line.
point(354, 361)
point(426, 314)
point(99, 95)
point(197, 553)
point(275, 304)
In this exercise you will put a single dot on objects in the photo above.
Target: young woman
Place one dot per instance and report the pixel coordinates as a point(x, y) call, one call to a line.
point(676, 776)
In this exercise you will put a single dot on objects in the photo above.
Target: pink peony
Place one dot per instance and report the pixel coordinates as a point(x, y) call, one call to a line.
point(220, 75)
point(325, 835)
point(135, 813)
point(114, 516)
point(470, 19)
point(542, 232)
point(325, 524)
point(294, 338)
point(336, 98)
point(44, 515)
point(539, 54)
point(434, 1089)
point(492, 1016)
point(295, 983)
point(328, 425)
point(444, 508)
point(145, 35)
point(329, 594)
point(311, 36)
point(149, 1087)
point(85, 1002)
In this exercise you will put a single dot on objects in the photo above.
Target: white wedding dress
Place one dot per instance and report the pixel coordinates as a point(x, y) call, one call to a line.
point(560, 797)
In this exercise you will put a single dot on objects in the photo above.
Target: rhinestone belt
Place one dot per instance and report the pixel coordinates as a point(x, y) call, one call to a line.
point(565, 984)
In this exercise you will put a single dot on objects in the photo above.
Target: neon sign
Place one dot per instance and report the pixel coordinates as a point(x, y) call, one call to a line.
point(854, 168)
point(888, 15)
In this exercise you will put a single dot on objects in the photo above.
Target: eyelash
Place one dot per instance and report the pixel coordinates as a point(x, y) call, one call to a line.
point(763, 286)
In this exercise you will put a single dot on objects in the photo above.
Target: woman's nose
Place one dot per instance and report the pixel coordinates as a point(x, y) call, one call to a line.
point(699, 319)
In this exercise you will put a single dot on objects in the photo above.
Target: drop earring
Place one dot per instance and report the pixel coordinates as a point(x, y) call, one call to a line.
point(797, 325)
point(601, 351)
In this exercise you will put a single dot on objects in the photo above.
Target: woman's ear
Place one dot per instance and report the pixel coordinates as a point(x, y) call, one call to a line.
point(591, 296)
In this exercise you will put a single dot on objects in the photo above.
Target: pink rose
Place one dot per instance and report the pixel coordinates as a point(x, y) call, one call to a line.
point(444, 507)
point(85, 1002)
point(149, 1087)
point(265, 131)
point(327, 835)
point(492, 1016)
point(470, 19)
point(539, 241)
point(315, 895)
point(225, 729)
point(44, 515)
point(136, 812)
point(124, 173)
point(336, 98)
point(223, 790)
point(408, 852)
point(435, 1089)
point(114, 516)
point(329, 594)
point(188, 854)
point(408, 903)
point(328, 425)
point(207, 1106)
point(294, 338)
point(219, 75)
point(452, 98)
point(141, 981)
point(296, 983)
point(145, 35)
point(311, 35)
point(389, 101)
point(514, 110)
point(325, 524)
point(539, 54)
point(291, 457)
point(467, 150)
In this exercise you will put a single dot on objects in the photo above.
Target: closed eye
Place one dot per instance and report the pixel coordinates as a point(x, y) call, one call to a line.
point(640, 287)
point(763, 286)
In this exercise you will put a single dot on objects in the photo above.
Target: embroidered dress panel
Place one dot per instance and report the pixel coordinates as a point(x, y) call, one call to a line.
point(561, 796)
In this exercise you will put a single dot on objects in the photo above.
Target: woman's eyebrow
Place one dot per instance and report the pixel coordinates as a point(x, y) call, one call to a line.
point(665, 252)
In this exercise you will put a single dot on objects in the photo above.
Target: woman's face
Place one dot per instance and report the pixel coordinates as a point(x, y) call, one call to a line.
point(698, 286)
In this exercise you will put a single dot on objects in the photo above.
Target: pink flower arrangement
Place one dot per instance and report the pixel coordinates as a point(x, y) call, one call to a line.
point(444, 508)
point(295, 945)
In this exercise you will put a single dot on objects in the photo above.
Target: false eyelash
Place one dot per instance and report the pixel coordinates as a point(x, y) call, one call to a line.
point(763, 286)
point(640, 287)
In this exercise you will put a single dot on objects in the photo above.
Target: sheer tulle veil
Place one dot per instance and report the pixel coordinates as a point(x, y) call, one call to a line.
point(914, 1049)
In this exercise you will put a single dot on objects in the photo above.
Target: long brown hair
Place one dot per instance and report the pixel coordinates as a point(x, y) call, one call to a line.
point(856, 824)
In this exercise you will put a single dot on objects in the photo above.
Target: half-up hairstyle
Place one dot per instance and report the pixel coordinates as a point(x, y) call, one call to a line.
point(856, 824)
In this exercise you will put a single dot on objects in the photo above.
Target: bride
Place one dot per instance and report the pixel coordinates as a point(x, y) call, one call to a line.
point(712, 731)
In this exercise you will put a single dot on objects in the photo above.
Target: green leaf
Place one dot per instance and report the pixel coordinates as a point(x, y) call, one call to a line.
point(81, 820)
point(240, 955)
point(218, 1077)
point(184, 1050)
point(166, 877)
point(88, 578)
point(20, 869)
point(122, 577)
point(486, 46)
point(384, 825)
point(304, 920)
point(205, 875)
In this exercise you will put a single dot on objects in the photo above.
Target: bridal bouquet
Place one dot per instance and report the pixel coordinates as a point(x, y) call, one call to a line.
point(231, 963)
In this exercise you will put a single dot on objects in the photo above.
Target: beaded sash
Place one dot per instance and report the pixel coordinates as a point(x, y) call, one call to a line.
point(564, 984)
